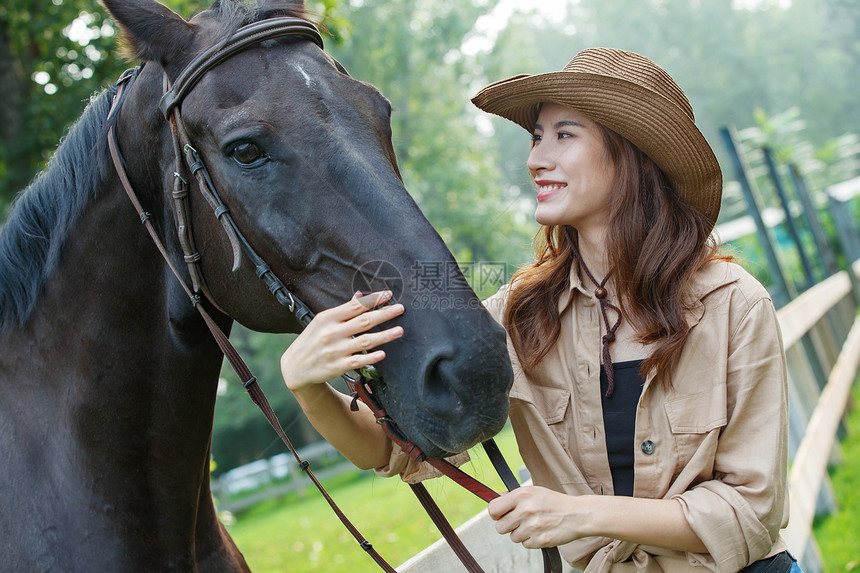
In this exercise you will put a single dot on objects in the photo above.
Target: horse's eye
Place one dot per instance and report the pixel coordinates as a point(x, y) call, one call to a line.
point(247, 153)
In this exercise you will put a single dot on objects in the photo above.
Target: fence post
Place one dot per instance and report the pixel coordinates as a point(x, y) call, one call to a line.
point(823, 246)
point(840, 320)
point(789, 217)
point(817, 343)
point(781, 292)
point(849, 241)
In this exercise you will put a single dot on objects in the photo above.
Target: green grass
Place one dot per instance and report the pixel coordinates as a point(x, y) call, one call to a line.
point(300, 535)
point(838, 534)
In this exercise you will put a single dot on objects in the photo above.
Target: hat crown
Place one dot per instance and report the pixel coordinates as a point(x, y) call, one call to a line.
point(633, 68)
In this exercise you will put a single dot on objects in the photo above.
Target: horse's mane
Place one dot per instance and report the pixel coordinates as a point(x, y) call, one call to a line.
point(42, 215)
point(233, 14)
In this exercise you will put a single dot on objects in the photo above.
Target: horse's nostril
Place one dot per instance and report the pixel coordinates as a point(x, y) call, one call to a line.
point(440, 389)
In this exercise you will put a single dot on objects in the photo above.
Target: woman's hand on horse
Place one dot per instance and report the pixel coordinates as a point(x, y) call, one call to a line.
point(337, 341)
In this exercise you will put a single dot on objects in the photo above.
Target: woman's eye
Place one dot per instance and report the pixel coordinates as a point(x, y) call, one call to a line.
point(247, 153)
point(536, 137)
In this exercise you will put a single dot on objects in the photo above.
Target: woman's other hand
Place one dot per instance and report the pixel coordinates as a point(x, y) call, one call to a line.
point(535, 516)
point(539, 517)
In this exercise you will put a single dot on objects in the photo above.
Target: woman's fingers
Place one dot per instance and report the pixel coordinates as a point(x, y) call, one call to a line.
point(361, 313)
point(358, 305)
point(355, 353)
point(371, 319)
point(366, 342)
point(501, 505)
point(538, 517)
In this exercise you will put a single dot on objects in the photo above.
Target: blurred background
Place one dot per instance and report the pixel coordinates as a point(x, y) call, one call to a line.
point(769, 80)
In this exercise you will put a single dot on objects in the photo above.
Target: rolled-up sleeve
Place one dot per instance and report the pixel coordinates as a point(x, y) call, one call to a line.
point(739, 513)
point(412, 471)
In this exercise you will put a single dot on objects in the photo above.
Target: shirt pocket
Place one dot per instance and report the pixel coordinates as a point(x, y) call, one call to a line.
point(550, 404)
point(694, 417)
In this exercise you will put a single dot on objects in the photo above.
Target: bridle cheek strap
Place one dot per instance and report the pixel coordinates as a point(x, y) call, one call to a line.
point(186, 154)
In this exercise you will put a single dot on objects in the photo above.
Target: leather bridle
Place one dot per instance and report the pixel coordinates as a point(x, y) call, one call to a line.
point(186, 154)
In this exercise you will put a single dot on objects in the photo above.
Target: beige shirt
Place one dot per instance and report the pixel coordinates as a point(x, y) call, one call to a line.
point(717, 440)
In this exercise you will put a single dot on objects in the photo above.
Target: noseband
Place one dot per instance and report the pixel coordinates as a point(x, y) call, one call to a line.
point(187, 155)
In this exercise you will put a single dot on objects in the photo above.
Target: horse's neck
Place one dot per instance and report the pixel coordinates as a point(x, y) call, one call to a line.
point(114, 304)
point(115, 363)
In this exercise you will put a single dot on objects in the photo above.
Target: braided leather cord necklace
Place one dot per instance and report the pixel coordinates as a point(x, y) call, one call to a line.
point(600, 293)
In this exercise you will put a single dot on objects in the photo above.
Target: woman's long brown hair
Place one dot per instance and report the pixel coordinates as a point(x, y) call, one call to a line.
point(655, 244)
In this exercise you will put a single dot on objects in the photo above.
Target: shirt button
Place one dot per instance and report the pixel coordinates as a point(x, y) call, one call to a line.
point(648, 447)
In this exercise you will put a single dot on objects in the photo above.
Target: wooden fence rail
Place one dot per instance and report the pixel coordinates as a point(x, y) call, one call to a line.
point(809, 466)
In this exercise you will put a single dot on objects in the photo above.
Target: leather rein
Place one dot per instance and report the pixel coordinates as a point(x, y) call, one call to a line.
point(186, 155)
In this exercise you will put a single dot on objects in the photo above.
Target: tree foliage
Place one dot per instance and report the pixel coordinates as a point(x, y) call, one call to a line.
point(411, 52)
point(53, 56)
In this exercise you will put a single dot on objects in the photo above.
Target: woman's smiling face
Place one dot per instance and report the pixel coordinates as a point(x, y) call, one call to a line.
point(571, 170)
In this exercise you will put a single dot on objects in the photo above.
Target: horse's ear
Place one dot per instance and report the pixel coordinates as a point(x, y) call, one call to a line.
point(152, 31)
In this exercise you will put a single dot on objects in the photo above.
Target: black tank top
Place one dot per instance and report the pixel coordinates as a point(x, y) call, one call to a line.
point(619, 421)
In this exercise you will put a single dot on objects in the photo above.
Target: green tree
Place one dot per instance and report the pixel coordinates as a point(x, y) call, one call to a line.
point(412, 52)
point(53, 55)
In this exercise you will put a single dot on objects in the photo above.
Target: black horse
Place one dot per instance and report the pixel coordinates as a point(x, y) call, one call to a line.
point(108, 374)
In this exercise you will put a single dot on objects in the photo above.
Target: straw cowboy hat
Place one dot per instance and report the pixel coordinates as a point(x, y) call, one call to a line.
point(631, 95)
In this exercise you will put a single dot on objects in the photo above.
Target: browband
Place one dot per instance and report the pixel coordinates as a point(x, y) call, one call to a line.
point(244, 37)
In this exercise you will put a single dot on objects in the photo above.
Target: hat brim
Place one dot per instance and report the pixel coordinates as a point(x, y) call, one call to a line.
point(657, 126)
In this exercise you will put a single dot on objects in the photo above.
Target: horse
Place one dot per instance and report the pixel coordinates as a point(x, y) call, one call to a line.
point(109, 373)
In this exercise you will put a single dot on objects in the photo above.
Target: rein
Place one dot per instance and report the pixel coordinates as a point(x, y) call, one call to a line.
point(187, 154)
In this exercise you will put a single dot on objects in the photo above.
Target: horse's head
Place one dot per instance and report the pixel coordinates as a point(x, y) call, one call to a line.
point(301, 154)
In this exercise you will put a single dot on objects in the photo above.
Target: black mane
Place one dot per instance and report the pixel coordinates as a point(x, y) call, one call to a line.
point(233, 14)
point(33, 236)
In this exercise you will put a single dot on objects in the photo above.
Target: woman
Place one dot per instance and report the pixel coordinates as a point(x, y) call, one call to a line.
point(650, 398)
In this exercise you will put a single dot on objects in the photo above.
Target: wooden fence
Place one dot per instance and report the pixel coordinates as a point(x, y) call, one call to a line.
point(808, 473)
point(248, 485)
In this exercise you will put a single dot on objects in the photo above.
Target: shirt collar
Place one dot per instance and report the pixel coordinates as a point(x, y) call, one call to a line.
point(709, 278)
point(574, 283)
